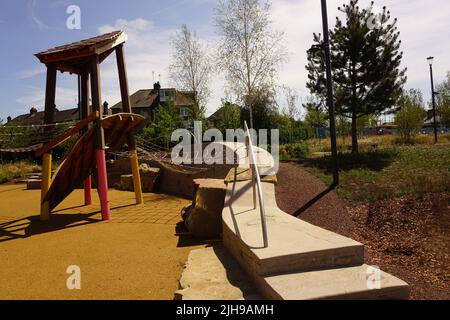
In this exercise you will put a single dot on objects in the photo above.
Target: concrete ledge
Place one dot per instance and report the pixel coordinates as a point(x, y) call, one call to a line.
point(347, 283)
point(294, 245)
point(213, 274)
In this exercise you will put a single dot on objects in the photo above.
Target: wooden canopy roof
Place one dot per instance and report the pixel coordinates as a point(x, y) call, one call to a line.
point(72, 57)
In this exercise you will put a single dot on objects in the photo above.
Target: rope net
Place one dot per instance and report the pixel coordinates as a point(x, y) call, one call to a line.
point(22, 139)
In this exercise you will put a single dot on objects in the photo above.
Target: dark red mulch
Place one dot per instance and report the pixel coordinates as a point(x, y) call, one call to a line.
point(408, 237)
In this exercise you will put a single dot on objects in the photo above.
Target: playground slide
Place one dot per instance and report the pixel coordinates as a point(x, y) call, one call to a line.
point(80, 161)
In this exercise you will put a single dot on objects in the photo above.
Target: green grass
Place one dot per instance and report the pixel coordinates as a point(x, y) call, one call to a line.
point(16, 170)
point(387, 172)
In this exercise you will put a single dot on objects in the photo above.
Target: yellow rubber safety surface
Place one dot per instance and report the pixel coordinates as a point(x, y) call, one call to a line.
point(136, 255)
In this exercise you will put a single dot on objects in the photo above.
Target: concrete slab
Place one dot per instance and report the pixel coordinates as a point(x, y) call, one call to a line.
point(347, 283)
point(294, 245)
point(213, 274)
point(34, 184)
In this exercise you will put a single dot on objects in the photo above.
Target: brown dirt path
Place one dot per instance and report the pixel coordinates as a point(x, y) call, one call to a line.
point(407, 236)
point(135, 256)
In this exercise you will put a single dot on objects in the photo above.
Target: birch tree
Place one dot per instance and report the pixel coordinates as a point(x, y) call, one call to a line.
point(251, 50)
point(191, 68)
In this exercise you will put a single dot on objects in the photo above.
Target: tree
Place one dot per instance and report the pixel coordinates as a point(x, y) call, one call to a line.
point(250, 50)
point(261, 109)
point(443, 101)
point(409, 119)
point(291, 108)
point(315, 116)
point(365, 65)
point(167, 119)
point(229, 117)
point(191, 68)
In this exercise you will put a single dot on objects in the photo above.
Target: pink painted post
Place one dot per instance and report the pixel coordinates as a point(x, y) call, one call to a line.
point(87, 191)
point(102, 184)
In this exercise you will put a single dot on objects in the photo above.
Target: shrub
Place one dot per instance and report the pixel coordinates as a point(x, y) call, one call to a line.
point(409, 119)
point(16, 170)
point(294, 151)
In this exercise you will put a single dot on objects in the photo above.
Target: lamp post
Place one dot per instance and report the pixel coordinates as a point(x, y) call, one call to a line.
point(330, 101)
point(433, 100)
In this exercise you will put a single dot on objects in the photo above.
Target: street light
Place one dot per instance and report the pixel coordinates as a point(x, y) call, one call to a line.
point(433, 100)
point(330, 100)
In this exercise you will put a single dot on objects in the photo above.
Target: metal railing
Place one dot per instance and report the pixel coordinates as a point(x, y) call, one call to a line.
point(256, 184)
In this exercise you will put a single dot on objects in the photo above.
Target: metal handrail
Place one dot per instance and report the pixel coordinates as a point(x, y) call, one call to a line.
point(256, 182)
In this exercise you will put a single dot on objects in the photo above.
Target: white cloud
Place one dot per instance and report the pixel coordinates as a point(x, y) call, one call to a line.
point(30, 73)
point(424, 29)
point(147, 49)
point(65, 98)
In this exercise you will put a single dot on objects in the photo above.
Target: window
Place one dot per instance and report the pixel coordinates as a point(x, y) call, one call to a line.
point(184, 112)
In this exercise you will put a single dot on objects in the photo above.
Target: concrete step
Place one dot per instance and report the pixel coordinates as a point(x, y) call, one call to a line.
point(212, 274)
point(294, 245)
point(355, 283)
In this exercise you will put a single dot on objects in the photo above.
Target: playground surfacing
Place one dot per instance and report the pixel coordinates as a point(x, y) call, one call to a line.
point(136, 255)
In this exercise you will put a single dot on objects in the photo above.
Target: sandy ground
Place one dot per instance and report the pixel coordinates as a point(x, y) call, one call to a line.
point(136, 255)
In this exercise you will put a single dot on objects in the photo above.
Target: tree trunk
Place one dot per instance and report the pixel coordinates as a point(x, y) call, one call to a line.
point(354, 135)
point(250, 108)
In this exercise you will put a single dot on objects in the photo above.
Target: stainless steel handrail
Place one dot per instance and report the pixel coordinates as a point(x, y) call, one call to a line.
point(256, 182)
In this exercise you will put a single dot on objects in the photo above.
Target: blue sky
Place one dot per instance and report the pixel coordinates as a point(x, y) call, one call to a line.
point(30, 26)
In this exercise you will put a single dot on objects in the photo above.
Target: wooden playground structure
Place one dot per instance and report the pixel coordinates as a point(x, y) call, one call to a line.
point(99, 133)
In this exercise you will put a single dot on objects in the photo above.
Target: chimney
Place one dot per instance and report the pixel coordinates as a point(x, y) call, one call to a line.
point(157, 87)
point(105, 108)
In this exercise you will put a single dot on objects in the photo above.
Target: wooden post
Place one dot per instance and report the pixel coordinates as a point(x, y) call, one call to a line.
point(49, 118)
point(84, 86)
point(99, 140)
point(85, 95)
point(126, 106)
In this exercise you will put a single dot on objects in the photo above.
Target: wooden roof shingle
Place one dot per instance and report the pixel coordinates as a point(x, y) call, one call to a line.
point(70, 57)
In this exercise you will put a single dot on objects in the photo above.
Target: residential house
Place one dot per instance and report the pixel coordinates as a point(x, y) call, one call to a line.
point(35, 117)
point(145, 102)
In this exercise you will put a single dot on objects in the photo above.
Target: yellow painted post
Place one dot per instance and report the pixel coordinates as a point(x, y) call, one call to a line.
point(136, 177)
point(46, 181)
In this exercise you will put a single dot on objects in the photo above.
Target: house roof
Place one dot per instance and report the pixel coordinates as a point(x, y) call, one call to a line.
point(140, 99)
point(219, 113)
point(37, 118)
point(145, 98)
point(70, 57)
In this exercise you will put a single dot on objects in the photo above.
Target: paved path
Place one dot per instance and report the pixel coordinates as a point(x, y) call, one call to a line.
point(134, 256)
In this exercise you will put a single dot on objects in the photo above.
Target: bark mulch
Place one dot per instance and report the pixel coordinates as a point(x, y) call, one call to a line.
point(408, 237)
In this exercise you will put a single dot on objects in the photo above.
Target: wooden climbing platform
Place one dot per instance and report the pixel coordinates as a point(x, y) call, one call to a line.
point(80, 161)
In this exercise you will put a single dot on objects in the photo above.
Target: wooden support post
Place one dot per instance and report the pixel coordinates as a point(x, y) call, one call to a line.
point(85, 95)
point(49, 118)
point(45, 184)
point(126, 106)
point(100, 140)
point(85, 111)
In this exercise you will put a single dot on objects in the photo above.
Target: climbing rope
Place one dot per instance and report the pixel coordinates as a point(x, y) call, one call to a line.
point(21, 139)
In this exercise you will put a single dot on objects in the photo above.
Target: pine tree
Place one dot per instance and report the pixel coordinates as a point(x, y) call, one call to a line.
point(365, 60)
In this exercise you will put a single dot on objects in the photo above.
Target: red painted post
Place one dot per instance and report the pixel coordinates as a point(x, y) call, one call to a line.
point(103, 184)
point(87, 191)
